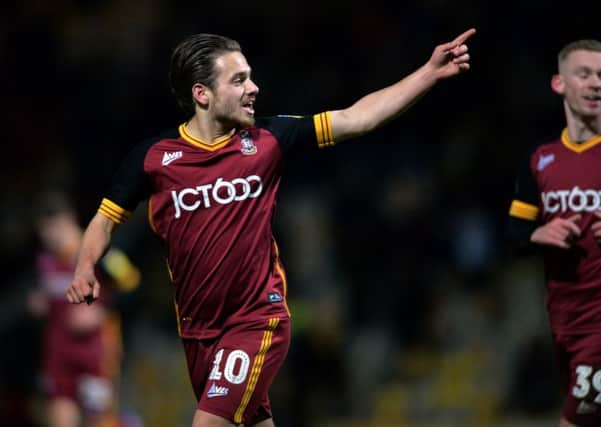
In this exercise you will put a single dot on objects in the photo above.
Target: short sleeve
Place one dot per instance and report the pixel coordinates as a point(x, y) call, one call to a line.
point(290, 130)
point(129, 186)
point(524, 204)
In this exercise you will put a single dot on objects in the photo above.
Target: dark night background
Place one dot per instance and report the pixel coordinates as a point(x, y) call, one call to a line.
point(407, 310)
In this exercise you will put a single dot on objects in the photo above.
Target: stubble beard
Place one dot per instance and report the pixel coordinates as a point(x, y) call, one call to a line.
point(235, 118)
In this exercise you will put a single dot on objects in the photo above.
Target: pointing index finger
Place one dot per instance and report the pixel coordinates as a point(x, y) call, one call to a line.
point(460, 39)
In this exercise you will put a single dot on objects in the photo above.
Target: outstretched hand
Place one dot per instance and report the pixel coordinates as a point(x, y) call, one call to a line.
point(452, 58)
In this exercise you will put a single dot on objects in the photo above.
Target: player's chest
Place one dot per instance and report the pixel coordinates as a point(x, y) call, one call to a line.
point(567, 170)
point(230, 165)
point(569, 181)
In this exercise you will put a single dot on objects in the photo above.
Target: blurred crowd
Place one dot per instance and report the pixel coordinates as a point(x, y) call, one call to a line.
point(407, 309)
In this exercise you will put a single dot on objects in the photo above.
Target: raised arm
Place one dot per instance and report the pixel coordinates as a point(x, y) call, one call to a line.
point(377, 108)
point(95, 242)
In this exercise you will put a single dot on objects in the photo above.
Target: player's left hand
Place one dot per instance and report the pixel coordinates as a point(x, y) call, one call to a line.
point(84, 287)
point(596, 227)
point(452, 58)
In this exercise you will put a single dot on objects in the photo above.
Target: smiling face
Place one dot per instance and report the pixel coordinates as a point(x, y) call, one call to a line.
point(233, 94)
point(579, 82)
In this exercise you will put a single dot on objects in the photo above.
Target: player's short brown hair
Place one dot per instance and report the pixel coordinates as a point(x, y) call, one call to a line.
point(193, 61)
point(591, 45)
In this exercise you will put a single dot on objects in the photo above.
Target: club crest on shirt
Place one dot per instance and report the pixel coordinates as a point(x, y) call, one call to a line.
point(248, 145)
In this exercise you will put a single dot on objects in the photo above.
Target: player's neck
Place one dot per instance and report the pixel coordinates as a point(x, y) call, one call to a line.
point(206, 131)
point(581, 130)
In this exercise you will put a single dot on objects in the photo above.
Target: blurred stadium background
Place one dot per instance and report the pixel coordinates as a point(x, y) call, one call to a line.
point(407, 310)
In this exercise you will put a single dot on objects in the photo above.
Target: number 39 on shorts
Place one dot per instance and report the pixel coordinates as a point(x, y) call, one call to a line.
point(586, 378)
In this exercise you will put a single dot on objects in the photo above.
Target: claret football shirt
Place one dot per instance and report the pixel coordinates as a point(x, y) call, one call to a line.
point(213, 206)
point(560, 179)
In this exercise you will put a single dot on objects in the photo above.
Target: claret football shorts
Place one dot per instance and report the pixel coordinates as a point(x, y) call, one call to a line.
point(231, 374)
point(579, 358)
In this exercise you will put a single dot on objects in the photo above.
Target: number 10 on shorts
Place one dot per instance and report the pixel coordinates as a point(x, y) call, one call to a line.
point(236, 367)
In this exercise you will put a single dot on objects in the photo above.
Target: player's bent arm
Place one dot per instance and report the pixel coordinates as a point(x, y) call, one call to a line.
point(95, 242)
point(382, 106)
